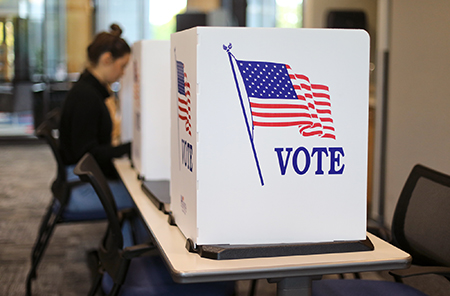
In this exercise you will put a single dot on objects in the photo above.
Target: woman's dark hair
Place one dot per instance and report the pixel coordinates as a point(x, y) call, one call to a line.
point(108, 42)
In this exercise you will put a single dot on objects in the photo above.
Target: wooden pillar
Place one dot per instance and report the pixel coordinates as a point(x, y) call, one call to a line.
point(79, 33)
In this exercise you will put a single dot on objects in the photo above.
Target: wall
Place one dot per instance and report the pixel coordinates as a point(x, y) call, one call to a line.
point(316, 12)
point(419, 92)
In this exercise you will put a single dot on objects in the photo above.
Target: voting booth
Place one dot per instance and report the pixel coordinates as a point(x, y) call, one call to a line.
point(126, 103)
point(269, 133)
point(151, 109)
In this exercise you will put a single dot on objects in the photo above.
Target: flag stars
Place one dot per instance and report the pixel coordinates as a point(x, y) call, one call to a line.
point(268, 80)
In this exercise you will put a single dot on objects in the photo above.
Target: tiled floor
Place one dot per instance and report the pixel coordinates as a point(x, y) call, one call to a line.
point(26, 172)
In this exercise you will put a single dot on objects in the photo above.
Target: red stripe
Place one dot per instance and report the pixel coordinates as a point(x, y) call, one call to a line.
point(311, 106)
point(330, 136)
point(323, 111)
point(274, 115)
point(320, 86)
point(292, 76)
point(182, 101)
point(185, 102)
point(305, 86)
point(326, 119)
point(296, 86)
point(321, 95)
point(300, 97)
point(287, 66)
point(313, 133)
point(278, 106)
point(329, 128)
point(183, 109)
point(280, 124)
point(299, 76)
point(307, 127)
point(319, 103)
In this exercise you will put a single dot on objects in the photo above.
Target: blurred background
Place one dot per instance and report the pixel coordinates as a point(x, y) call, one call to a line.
point(43, 42)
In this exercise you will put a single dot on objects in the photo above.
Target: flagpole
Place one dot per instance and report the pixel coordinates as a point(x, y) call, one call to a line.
point(243, 111)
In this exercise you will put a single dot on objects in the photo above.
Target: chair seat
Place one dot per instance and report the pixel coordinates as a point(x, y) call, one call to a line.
point(362, 287)
point(149, 276)
point(135, 233)
point(84, 204)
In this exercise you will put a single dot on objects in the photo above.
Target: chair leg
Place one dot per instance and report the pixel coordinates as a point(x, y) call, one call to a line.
point(43, 229)
point(253, 288)
point(38, 254)
point(96, 284)
point(28, 284)
point(115, 290)
point(45, 232)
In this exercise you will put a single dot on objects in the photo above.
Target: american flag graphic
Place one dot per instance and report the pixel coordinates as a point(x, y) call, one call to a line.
point(184, 97)
point(279, 97)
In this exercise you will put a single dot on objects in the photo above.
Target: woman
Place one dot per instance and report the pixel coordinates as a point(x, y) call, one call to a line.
point(86, 124)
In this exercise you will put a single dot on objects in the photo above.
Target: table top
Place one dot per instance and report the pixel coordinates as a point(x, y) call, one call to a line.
point(190, 267)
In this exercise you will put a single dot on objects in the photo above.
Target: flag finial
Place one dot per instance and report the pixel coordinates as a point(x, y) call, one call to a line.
point(227, 48)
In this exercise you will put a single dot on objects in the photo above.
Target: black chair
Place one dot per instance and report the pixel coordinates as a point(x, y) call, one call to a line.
point(122, 267)
point(421, 227)
point(68, 204)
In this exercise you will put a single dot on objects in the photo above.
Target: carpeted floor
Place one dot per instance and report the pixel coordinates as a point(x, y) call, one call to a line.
point(26, 172)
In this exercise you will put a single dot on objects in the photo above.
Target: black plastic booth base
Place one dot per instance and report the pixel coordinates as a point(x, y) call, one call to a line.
point(224, 252)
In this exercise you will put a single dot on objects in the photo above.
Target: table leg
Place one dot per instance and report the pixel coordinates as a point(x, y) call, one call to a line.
point(298, 286)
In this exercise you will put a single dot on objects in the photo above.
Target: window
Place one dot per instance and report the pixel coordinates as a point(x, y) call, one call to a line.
point(275, 13)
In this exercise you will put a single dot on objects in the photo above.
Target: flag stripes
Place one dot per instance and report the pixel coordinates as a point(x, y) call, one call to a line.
point(281, 98)
point(184, 97)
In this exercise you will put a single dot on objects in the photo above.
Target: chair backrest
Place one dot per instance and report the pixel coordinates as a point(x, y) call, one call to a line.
point(421, 224)
point(46, 130)
point(89, 171)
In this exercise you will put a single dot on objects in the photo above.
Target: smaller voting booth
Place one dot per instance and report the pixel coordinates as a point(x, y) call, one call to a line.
point(269, 134)
point(151, 109)
point(126, 103)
